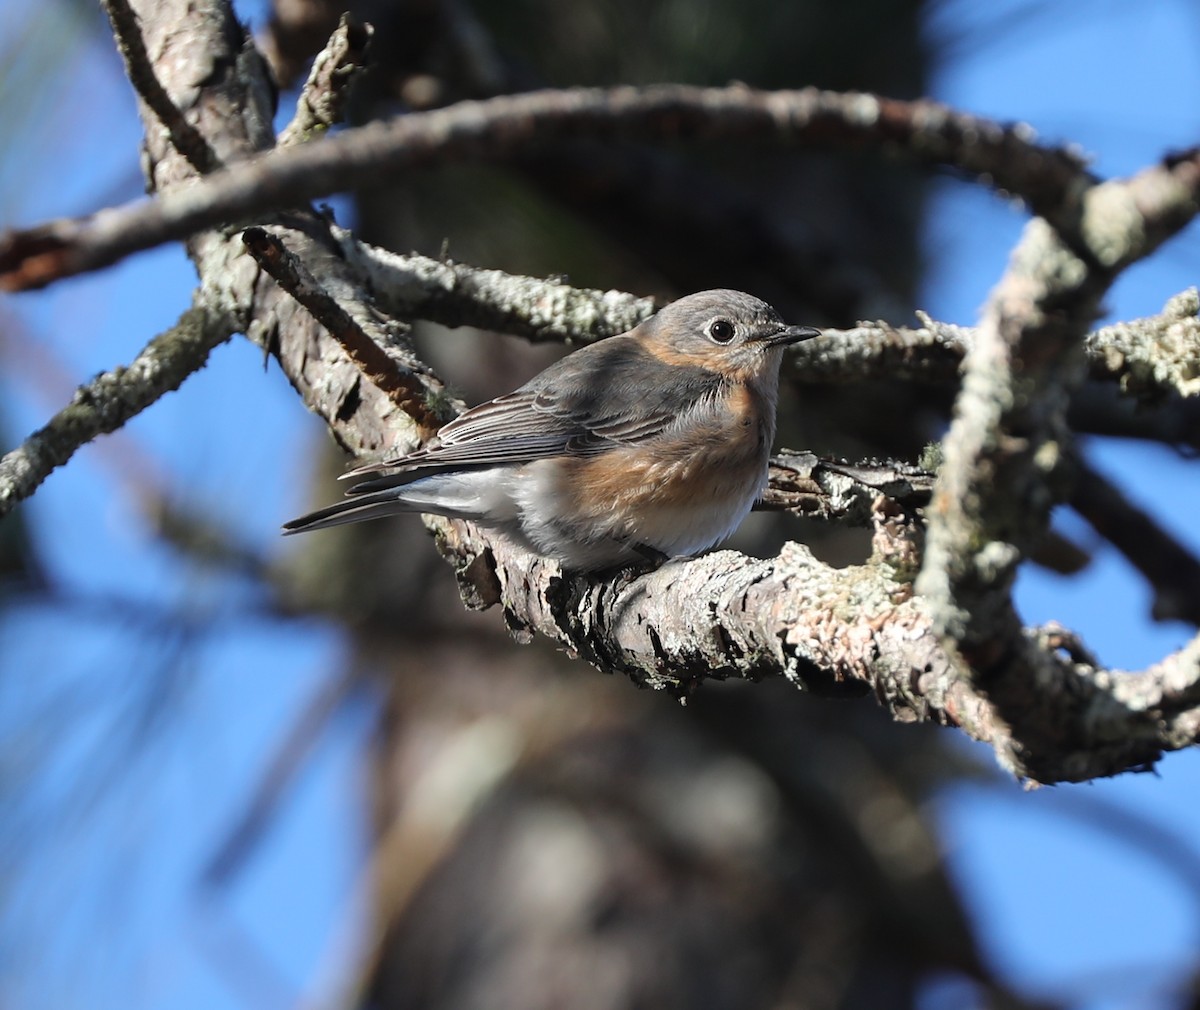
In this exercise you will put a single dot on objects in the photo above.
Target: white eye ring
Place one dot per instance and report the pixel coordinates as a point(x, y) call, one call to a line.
point(721, 331)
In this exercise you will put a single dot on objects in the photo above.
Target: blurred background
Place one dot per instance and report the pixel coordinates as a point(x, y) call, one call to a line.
point(241, 772)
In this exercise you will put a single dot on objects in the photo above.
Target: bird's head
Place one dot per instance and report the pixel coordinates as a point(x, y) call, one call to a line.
point(729, 332)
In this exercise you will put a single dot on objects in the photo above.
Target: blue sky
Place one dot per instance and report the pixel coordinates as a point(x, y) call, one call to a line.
point(1064, 905)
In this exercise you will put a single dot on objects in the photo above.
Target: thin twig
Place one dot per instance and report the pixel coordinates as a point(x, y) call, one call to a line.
point(365, 350)
point(1171, 569)
point(1099, 409)
point(335, 70)
point(111, 399)
point(455, 294)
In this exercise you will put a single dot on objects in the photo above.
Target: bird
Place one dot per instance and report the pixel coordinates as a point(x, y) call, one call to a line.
point(645, 446)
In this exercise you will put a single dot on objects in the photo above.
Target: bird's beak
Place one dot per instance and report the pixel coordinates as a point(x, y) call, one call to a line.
point(791, 335)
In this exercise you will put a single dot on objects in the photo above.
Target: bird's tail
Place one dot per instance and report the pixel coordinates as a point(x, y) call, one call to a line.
point(459, 495)
point(352, 510)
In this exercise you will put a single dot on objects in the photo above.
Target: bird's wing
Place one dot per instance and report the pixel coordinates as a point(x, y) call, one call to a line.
point(608, 394)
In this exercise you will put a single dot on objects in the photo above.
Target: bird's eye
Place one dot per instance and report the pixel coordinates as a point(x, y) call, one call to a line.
point(721, 330)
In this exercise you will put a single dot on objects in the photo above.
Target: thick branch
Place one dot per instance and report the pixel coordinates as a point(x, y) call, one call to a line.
point(993, 497)
point(1048, 178)
point(831, 631)
point(186, 139)
point(200, 50)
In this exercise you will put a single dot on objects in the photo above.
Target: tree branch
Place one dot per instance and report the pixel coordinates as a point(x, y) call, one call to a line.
point(805, 484)
point(454, 294)
point(112, 398)
point(830, 631)
point(322, 101)
point(1049, 179)
point(1172, 571)
point(1098, 408)
point(1155, 358)
point(230, 94)
point(186, 139)
point(833, 632)
point(363, 334)
point(1002, 469)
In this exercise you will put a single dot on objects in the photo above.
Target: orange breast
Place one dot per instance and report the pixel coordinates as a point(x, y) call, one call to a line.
point(717, 453)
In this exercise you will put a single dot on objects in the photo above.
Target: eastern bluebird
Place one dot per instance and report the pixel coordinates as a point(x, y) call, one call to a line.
point(651, 443)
